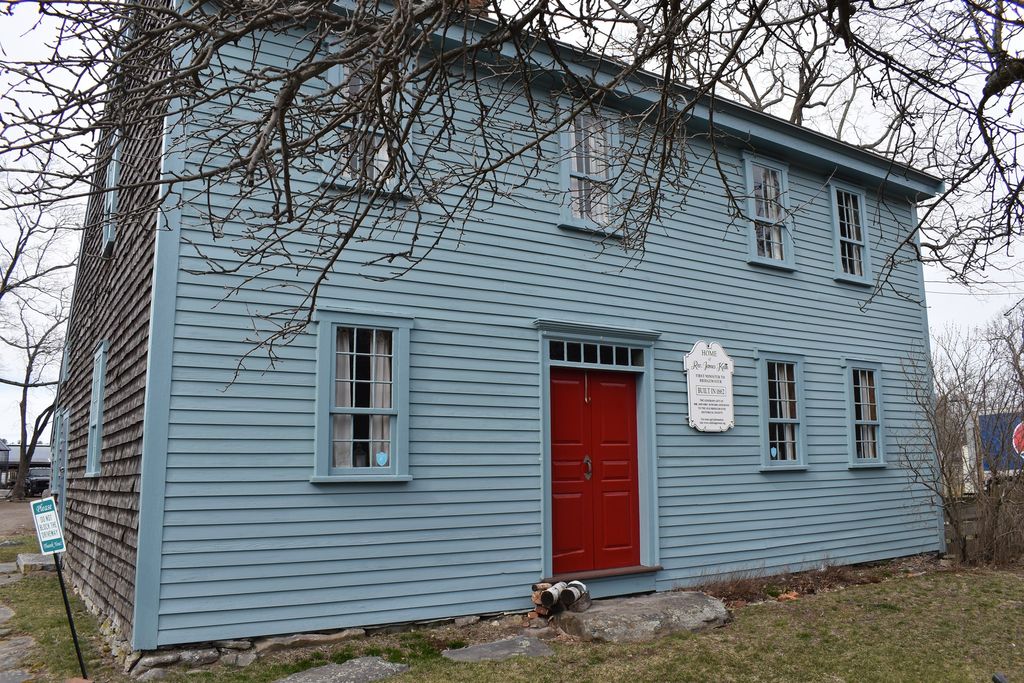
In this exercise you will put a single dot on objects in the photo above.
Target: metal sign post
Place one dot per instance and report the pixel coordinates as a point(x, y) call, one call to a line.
point(51, 542)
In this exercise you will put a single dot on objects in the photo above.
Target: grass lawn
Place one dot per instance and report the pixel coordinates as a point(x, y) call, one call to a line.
point(942, 626)
point(25, 544)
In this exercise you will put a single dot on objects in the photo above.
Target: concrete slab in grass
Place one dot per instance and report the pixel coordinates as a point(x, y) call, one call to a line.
point(521, 646)
point(360, 670)
point(34, 562)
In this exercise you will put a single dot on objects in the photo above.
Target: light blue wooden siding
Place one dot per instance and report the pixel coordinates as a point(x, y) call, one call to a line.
point(250, 546)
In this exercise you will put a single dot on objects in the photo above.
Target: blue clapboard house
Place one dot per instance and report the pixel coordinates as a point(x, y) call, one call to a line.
point(515, 407)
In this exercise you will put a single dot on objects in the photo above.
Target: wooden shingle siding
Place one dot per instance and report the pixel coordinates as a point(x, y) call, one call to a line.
point(250, 546)
point(111, 302)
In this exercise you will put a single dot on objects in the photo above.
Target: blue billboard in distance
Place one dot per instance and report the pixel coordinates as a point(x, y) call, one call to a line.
point(1001, 440)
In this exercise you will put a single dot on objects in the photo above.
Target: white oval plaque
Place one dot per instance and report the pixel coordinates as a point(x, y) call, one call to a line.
point(709, 387)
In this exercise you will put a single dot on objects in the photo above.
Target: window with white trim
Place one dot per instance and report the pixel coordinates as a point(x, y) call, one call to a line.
point(771, 242)
point(783, 412)
point(590, 139)
point(768, 212)
point(111, 190)
point(363, 402)
point(362, 424)
point(851, 233)
point(362, 155)
point(866, 436)
point(781, 379)
point(94, 444)
point(853, 255)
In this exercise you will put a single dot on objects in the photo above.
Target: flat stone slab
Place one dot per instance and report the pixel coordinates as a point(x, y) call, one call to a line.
point(643, 618)
point(8, 567)
point(14, 676)
point(521, 646)
point(5, 614)
point(13, 650)
point(360, 670)
point(33, 562)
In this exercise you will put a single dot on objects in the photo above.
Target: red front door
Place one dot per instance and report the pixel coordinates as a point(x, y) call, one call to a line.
point(594, 501)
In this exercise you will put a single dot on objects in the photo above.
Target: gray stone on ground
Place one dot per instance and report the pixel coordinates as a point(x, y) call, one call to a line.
point(237, 658)
point(14, 676)
point(34, 562)
point(5, 614)
point(520, 646)
point(9, 578)
point(634, 620)
point(8, 567)
point(13, 650)
point(266, 645)
point(8, 543)
point(360, 670)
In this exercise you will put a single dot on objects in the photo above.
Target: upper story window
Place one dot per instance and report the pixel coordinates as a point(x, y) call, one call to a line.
point(589, 172)
point(768, 187)
point(362, 412)
point(851, 238)
point(94, 444)
point(782, 412)
point(866, 444)
point(362, 153)
point(111, 190)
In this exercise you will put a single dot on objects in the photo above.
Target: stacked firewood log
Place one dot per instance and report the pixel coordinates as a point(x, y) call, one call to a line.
point(552, 598)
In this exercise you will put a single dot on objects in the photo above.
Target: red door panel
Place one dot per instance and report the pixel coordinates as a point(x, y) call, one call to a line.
point(595, 522)
point(571, 501)
point(617, 519)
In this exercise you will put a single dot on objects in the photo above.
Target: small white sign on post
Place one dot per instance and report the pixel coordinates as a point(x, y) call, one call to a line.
point(709, 387)
point(44, 514)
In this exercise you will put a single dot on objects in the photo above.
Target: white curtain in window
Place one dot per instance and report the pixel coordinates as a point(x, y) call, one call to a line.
point(380, 425)
point(342, 424)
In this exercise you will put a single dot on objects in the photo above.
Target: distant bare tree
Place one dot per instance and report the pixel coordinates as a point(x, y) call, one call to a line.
point(395, 90)
point(35, 270)
point(976, 374)
point(34, 330)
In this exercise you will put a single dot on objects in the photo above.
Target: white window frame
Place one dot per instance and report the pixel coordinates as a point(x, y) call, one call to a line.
point(111, 199)
point(339, 171)
point(865, 278)
point(850, 367)
point(800, 422)
point(751, 162)
point(571, 173)
point(94, 444)
point(397, 470)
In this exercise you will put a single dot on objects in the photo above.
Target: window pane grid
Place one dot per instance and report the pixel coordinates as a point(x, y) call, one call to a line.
point(851, 233)
point(589, 186)
point(767, 194)
point(769, 212)
point(363, 152)
point(363, 412)
point(865, 414)
point(588, 353)
point(783, 412)
point(769, 240)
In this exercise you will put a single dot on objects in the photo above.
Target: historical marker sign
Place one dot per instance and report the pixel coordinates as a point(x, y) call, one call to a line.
point(44, 514)
point(709, 387)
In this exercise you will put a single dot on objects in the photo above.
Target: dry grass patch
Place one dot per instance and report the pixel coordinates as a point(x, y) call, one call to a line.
point(940, 626)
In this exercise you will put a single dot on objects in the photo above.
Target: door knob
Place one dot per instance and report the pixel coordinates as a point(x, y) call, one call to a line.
point(588, 468)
